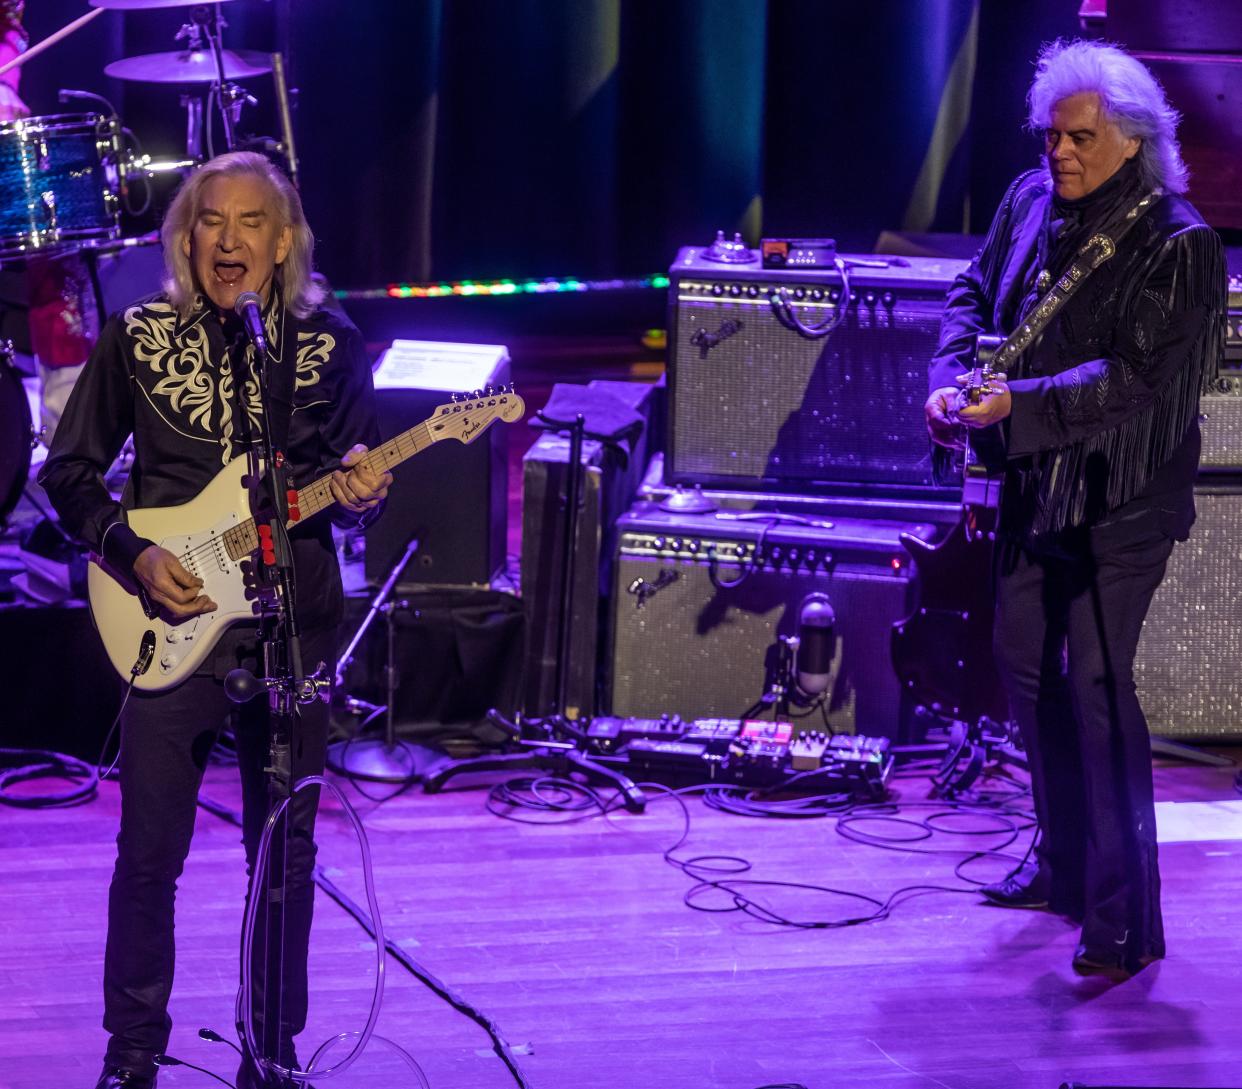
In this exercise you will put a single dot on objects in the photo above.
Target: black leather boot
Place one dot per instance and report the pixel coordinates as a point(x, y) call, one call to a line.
point(117, 1077)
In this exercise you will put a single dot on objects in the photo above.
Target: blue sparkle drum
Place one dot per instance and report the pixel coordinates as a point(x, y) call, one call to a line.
point(60, 180)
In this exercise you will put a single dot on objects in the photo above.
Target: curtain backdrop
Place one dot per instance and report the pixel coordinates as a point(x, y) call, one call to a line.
point(485, 138)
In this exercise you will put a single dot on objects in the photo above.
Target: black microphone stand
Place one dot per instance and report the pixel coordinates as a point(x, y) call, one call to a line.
point(389, 759)
point(284, 681)
point(552, 742)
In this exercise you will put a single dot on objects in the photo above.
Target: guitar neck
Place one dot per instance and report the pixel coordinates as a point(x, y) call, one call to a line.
point(317, 496)
point(243, 538)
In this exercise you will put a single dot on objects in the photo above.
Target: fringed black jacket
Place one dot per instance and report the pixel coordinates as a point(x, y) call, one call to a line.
point(1104, 424)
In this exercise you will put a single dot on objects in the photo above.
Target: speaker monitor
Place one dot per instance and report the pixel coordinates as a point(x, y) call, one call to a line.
point(700, 600)
point(453, 498)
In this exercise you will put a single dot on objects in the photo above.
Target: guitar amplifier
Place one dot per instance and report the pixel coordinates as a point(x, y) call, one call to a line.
point(1186, 671)
point(757, 400)
point(700, 600)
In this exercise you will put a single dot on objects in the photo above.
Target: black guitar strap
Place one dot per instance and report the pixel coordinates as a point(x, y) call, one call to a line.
point(281, 376)
point(1094, 252)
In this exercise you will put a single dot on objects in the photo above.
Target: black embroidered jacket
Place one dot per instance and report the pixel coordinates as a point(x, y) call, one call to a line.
point(174, 386)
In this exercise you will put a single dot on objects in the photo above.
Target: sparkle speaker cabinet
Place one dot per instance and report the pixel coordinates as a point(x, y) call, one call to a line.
point(754, 402)
point(1189, 665)
point(451, 497)
point(700, 599)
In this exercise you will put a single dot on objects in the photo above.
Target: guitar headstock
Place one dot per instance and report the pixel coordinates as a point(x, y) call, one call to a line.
point(469, 414)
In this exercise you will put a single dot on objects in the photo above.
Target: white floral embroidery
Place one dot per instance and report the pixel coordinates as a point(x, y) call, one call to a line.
point(194, 396)
point(313, 352)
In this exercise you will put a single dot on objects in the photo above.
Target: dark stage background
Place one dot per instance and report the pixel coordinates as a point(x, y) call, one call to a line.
point(455, 139)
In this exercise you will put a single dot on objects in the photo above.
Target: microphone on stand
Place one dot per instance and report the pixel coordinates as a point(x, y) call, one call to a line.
point(817, 643)
point(249, 307)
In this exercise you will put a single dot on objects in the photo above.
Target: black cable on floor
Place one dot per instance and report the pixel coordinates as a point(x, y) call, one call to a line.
point(55, 765)
point(499, 1044)
point(44, 764)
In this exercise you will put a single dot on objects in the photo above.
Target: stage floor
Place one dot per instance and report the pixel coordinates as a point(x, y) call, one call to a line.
point(576, 940)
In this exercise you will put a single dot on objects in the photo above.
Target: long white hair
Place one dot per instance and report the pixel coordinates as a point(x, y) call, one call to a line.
point(1129, 94)
point(300, 293)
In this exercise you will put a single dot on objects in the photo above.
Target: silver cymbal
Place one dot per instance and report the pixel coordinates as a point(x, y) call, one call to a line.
point(134, 5)
point(196, 66)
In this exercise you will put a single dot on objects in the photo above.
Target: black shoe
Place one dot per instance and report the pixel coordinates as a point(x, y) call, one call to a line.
point(1113, 964)
point(249, 1076)
point(117, 1077)
point(1024, 888)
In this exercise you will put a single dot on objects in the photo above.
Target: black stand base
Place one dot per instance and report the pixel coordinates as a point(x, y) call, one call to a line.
point(377, 760)
point(558, 758)
point(1161, 746)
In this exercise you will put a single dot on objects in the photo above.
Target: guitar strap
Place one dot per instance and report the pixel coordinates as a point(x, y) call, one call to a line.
point(1094, 252)
point(282, 376)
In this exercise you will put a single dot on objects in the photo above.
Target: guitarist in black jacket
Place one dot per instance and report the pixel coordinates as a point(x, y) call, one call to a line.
point(165, 373)
point(1099, 417)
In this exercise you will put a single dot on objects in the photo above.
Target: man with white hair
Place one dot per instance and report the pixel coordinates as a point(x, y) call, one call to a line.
point(1098, 414)
point(166, 371)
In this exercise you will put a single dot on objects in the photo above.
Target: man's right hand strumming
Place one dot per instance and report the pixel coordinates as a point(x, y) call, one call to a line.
point(169, 585)
point(941, 412)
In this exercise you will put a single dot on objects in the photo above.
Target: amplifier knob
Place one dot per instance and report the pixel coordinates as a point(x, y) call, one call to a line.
point(835, 294)
point(658, 543)
point(740, 549)
point(776, 554)
point(752, 291)
point(888, 299)
point(811, 557)
point(735, 289)
point(869, 298)
point(817, 293)
point(793, 556)
point(692, 546)
point(717, 289)
point(799, 292)
point(675, 544)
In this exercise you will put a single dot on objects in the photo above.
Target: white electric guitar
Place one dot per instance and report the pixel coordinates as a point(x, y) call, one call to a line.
point(215, 538)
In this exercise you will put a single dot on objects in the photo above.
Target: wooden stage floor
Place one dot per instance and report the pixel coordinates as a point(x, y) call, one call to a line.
point(576, 940)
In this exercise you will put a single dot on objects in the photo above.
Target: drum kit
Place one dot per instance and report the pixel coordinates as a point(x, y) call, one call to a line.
point(65, 178)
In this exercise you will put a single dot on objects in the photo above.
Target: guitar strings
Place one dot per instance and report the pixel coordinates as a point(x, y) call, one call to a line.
point(317, 490)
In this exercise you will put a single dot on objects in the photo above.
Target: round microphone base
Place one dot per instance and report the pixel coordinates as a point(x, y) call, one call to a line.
point(371, 758)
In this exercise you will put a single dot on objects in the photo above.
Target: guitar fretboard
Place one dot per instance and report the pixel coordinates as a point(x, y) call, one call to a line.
point(243, 538)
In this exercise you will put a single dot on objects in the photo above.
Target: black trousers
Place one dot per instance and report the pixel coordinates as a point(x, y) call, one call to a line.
point(165, 742)
point(1068, 620)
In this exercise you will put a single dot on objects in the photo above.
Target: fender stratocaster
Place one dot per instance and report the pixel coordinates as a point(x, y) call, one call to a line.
point(215, 538)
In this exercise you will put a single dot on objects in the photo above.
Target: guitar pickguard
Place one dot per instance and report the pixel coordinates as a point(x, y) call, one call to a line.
point(203, 554)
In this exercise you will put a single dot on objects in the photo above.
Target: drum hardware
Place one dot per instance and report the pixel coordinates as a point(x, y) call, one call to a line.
point(17, 434)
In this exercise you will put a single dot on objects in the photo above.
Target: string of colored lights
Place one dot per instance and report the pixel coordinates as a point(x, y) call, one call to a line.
point(469, 288)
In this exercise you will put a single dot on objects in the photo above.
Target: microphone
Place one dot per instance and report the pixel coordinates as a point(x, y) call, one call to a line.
point(249, 307)
point(817, 643)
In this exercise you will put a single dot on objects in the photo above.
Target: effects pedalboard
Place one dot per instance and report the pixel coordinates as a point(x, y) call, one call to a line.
point(744, 752)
